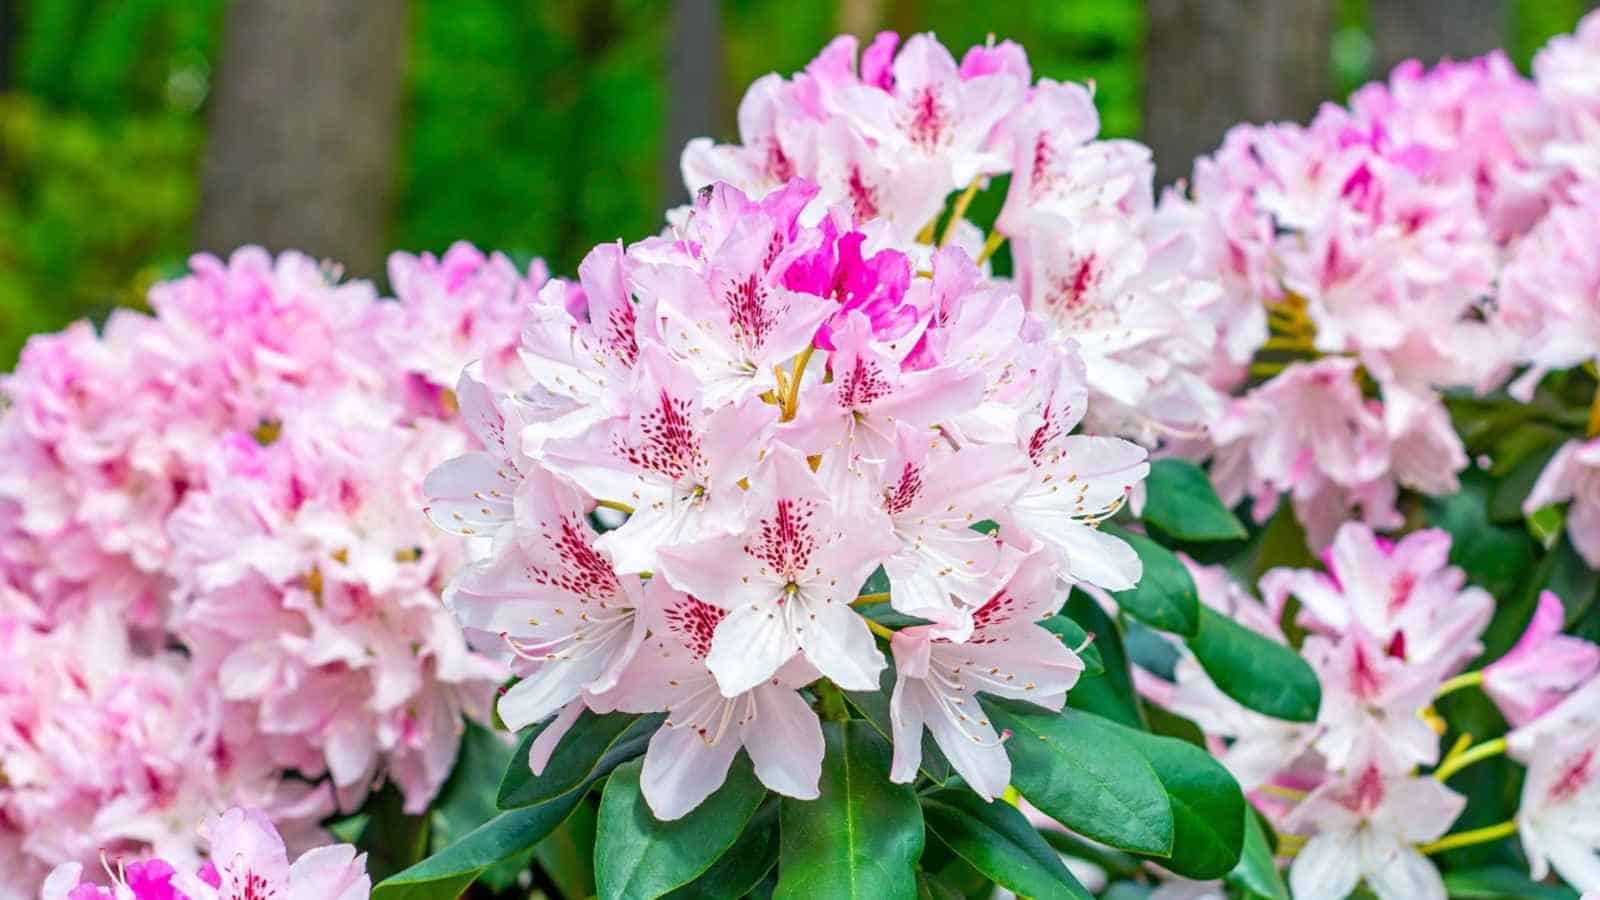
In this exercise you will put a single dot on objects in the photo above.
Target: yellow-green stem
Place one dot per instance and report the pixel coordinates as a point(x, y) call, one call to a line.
point(864, 599)
point(962, 202)
point(1483, 751)
point(1464, 680)
point(1468, 838)
point(1593, 427)
point(613, 504)
point(990, 245)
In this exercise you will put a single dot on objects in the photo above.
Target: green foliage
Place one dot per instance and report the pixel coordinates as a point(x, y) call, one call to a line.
point(997, 840)
point(860, 840)
point(1165, 596)
point(1261, 674)
point(1181, 504)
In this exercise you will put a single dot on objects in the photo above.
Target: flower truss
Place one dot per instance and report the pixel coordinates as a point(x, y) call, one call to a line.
point(218, 586)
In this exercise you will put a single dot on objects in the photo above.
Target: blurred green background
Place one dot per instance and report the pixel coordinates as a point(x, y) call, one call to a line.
point(534, 127)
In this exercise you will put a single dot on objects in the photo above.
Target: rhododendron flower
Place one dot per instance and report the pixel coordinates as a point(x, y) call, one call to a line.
point(1557, 818)
point(1405, 595)
point(1548, 288)
point(1363, 828)
point(1573, 473)
point(1543, 668)
point(689, 756)
point(248, 860)
point(1565, 73)
point(787, 582)
point(1006, 654)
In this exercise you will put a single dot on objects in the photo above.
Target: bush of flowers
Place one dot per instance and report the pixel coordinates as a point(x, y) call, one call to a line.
point(928, 510)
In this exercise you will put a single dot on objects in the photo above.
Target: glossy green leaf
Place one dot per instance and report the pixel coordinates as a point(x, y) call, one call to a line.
point(1165, 596)
point(565, 856)
point(1260, 673)
point(997, 840)
point(860, 840)
point(1083, 771)
point(638, 856)
point(468, 798)
point(1111, 695)
point(1208, 808)
point(451, 870)
point(1497, 557)
point(1180, 502)
point(1074, 636)
point(745, 864)
point(391, 839)
point(1501, 883)
point(595, 745)
point(1257, 871)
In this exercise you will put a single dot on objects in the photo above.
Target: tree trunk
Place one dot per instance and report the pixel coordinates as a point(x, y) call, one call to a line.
point(1432, 29)
point(1212, 63)
point(303, 129)
point(694, 82)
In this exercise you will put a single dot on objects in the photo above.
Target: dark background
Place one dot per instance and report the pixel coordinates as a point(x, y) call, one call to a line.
point(135, 131)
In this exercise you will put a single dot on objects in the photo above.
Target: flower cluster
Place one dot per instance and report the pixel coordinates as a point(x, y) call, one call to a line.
point(247, 859)
point(1388, 627)
point(221, 499)
point(890, 138)
point(778, 416)
point(1363, 258)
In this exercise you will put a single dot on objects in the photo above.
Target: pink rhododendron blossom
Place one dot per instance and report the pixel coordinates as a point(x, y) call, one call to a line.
point(1548, 289)
point(1559, 816)
point(1543, 668)
point(782, 414)
point(1573, 474)
point(1405, 595)
point(1005, 654)
point(1364, 826)
point(247, 860)
point(1565, 73)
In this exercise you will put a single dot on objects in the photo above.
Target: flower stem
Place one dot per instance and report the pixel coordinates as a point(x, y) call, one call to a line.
point(990, 245)
point(1464, 680)
point(1593, 428)
point(1476, 836)
point(1283, 793)
point(962, 202)
point(1466, 758)
point(864, 599)
point(613, 504)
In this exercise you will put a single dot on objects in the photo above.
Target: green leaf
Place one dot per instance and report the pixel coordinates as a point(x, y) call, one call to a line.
point(449, 872)
point(1505, 502)
point(1208, 808)
point(1180, 502)
point(468, 798)
point(391, 839)
point(1074, 636)
point(1497, 557)
point(1501, 883)
point(861, 838)
point(745, 864)
point(565, 856)
point(637, 855)
point(998, 841)
point(1257, 871)
point(1110, 695)
point(595, 745)
point(1083, 771)
point(1260, 673)
point(874, 707)
point(1165, 596)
